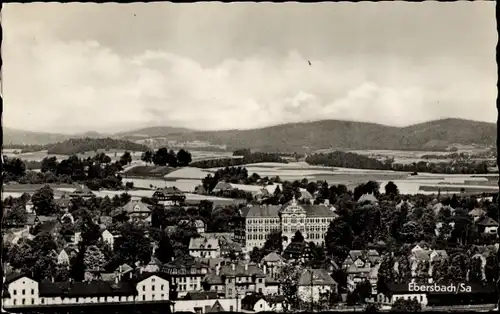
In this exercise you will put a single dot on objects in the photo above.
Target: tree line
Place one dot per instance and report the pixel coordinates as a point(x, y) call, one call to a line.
point(357, 161)
point(247, 157)
point(165, 157)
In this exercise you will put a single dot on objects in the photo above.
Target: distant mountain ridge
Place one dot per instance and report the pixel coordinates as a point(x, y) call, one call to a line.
point(306, 136)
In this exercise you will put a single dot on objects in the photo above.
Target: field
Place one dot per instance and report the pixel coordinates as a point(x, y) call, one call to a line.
point(188, 178)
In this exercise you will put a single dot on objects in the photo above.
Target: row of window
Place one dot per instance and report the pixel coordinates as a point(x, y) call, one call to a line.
point(101, 299)
point(23, 292)
point(153, 287)
point(286, 220)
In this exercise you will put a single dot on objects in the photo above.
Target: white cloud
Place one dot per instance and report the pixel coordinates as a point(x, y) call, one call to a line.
point(50, 84)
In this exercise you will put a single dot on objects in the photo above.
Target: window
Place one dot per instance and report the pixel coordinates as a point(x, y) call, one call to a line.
point(161, 287)
point(23, 292)
point(143, 298)
point(152, 280)
point(43, 301)
point(32, 291)
point(152, 288)
point(15, 301)
point(231, 309)
point(24, 301)
point(32, 301)
point(14, 292)
point(143, 288)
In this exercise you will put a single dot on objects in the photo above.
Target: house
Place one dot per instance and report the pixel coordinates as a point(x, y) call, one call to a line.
point(359, 266)
point(82, 191)
point(29, 207)
point(272, 264)
point(200, 190)
point(22, 291)
point(186, 274)
point(108, 238)
point(64, 203)
point(297, 251)
point(236, 279)
point(204, 247)
point(199, 224)
point(487, 225)
point(63, 258)
point(262, 303)
point(368, 197)
point(419, 247)
point(170, 196)
point(222, 187)
point(137, 210)
point(201, 302)
point(305, 195)
point(394, 292)
point(477, 213)
point(315, 283)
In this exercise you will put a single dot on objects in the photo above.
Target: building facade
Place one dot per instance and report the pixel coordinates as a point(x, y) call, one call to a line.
point(259, 220)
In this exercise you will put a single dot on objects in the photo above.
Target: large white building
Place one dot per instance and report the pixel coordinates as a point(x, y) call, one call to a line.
point(259, 220)
point(24, 292)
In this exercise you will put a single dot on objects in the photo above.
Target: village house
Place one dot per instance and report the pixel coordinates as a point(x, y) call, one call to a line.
point(487, 226)
point(359, 266)
point(108, 238)
point(63, 258)
point(314, 284)
point(136, 210)
point(198, 223)
point(201, 302)
point(297, 251)
point(170, 196)
point(186, 274)
point(477, 213)
point(82, 191)
point(272, 264)
point(260, 303)
point(236, 279)
point(204, 247)
point(222, 187)
point(370, 198)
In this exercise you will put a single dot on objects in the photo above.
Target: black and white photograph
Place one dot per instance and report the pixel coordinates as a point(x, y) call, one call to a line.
point(242, 157)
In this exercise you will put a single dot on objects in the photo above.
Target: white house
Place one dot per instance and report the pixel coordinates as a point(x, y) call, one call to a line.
point(63, 258)
point(204, 247)
point(260, 303)
point(108, 238)
point(315, 282)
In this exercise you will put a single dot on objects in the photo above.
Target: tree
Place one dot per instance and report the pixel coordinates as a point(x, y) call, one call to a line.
point(476, 270)
point(288, 280)
point(16, 215)
point(49, 164)
point(386, 273)
point(391, 189)
point(183, 157)
point(133, 245)
point(93, 258)
point(491, 268)
point(298, 237)
point(126, 158)
point(147, 156)
point(273, 242)
point(43, 201)
point(403, 305)
point(165, 250)
point(160, 158)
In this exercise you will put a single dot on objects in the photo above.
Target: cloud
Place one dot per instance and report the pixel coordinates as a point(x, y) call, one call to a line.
point(78, 85)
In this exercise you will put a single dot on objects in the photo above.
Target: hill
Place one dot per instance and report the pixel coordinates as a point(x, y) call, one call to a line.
point(311, 136)
point(75, 146)
point(20, 137)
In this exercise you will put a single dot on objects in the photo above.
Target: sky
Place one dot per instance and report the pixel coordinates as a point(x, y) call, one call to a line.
point(109, 67)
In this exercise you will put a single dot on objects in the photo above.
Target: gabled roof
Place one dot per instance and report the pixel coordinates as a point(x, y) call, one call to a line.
point(272, 257)
point(82, 191)
point(86, 289)
point(200, 295)
point(477, 212)
point(256, 211)
point(422, 255)
point(217, 307)
point(249, 301)
point(136, 206)
point(487, 222)
point(221, 185)
point(367, 198)
point(240, 271)
point(320, 277)
point(204, 244)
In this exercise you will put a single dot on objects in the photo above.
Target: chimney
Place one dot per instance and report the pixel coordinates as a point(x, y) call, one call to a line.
point(233, 267)
point(117, 279)
point(140, 270)
point(246, 266)
point(120, 269)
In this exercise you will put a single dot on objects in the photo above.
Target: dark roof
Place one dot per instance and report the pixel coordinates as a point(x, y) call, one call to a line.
point(86, 289)
point(82, 191)
point(213, 279)
point(487, 222)
point(295, 248)
point(15, 276)
point(262, 211)
point(168, 191)
point(201, 295)
point(240, 271)
point(248, 302)
point(135, 206)
point(320, 277)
